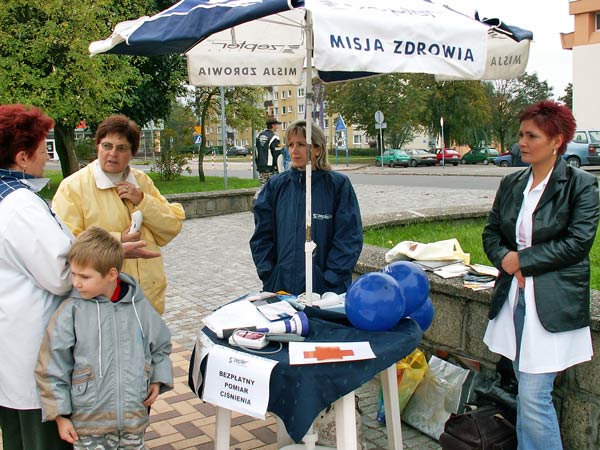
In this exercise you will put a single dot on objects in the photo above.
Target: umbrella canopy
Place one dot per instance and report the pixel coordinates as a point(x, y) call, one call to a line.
point(271, 42)
point(263, 43)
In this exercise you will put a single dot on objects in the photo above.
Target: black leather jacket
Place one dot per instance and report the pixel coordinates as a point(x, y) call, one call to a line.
point(564, 227)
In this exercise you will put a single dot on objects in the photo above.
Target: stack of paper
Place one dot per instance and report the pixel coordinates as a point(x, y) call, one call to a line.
point(452, 271)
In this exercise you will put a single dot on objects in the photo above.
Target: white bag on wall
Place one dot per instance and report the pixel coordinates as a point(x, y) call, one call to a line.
point(449, 249)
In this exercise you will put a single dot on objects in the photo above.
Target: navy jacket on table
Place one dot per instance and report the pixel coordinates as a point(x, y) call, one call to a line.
point(278, 241)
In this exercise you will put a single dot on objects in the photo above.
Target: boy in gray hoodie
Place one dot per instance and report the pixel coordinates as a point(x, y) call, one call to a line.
point(105, 356)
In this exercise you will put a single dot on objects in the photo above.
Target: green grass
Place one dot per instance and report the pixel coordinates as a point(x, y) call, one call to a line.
point(180, 185)
point(467, 231)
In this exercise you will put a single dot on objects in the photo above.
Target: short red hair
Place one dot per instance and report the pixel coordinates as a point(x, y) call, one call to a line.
point(552, 118)
point(22, 128)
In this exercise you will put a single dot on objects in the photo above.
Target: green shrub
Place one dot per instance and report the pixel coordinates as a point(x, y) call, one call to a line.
point(85, 150)
point(170, 164)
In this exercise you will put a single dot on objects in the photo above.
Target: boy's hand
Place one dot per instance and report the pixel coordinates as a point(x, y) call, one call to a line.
point(152, 394)
point(66, 430)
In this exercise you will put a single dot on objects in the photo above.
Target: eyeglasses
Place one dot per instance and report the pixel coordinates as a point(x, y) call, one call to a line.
point(108, 146)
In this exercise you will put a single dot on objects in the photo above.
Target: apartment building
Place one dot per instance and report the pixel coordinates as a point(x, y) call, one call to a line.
point(584, 41)
point(287, 104)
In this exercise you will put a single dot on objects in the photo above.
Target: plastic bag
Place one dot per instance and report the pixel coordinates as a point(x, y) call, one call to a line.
point(434, 251)
point(436, 397)
point(410, 371)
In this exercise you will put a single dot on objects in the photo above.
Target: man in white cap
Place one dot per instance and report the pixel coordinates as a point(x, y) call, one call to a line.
point(266, 150)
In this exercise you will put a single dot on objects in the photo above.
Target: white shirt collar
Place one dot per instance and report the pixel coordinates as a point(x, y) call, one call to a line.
point(104, 182)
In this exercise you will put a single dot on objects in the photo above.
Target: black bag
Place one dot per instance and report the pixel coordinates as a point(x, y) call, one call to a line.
point(482, 429)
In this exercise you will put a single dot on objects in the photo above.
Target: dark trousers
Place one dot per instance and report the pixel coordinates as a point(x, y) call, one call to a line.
point(23, 429)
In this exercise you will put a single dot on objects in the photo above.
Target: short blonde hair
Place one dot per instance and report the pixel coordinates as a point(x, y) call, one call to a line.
point(97, 248)
point(317, 138)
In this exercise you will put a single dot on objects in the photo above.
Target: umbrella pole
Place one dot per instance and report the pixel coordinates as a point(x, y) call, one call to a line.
point(309, 245)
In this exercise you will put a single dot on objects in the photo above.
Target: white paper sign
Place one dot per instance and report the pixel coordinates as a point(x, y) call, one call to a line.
point(238, 381)
point(328, 352)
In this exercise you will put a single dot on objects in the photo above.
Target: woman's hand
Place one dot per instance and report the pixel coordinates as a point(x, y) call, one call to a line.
point(133, 250)
point(126, 236)
point(520, 279)
point(130, 192)
point(511, 264)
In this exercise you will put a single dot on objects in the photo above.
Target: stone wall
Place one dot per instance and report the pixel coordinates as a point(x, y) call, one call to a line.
point(459, 324)
point(213, 203)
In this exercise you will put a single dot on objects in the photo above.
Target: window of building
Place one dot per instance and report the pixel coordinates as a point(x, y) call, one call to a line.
point(283, 110)
point(276, 111)
point(283, 126)
point(290, 93)
point(301, 109)
point(300, 92)
point(326, 123)
point(274, 95)
point(598, 21)
point(219, 130)
point(356, 139)
point(283, 94)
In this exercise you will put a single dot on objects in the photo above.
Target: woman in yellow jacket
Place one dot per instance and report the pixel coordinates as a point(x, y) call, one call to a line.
point(107, 191)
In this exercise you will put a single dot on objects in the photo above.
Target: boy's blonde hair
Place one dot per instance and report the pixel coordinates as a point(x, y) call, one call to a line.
point(97, 248)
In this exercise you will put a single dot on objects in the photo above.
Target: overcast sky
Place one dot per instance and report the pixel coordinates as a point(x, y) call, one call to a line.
point(546, 19)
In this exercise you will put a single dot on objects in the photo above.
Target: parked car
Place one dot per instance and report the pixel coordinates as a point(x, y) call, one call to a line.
point(393, 157)
point(237, 150)
point(506, 160)
point(421, 157)
point(483, 155)
point(584, 149)
point(451, 156)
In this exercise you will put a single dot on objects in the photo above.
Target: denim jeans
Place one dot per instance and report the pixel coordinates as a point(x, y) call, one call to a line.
point(537, 424)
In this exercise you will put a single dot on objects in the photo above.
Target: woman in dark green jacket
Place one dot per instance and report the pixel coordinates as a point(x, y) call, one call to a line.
point(539, 235)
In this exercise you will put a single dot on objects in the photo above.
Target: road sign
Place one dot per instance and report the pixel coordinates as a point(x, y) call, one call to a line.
point(198, 129)
point(198, 139)
point(340, 124)
point(378, 117)
point(380, 125)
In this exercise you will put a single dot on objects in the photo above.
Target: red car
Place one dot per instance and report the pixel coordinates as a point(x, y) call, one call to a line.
point(451, 156)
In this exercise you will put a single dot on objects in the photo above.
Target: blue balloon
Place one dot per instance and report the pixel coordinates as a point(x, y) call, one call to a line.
point(374, 302)
point(424, 315)
point(413, 283)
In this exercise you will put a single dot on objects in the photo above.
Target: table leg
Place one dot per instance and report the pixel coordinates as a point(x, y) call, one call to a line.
point(389, 382)
point(345, 422)
point(223, 428)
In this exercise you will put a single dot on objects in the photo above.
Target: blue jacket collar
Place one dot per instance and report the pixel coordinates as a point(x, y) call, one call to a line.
point(10, 181)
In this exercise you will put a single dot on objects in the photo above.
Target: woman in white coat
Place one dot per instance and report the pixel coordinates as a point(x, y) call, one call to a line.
point(34, 274)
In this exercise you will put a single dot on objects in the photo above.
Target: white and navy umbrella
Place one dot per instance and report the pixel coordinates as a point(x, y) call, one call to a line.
point(272, 42)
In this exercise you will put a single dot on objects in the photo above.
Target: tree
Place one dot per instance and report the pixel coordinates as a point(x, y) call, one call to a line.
point(44, 61)
point(567, 98)
point(241, 110)
point(465, 109)
point(508, 99)
point(400, 97)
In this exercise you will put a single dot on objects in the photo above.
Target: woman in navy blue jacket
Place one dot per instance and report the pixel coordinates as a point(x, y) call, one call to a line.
point(277, 244)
